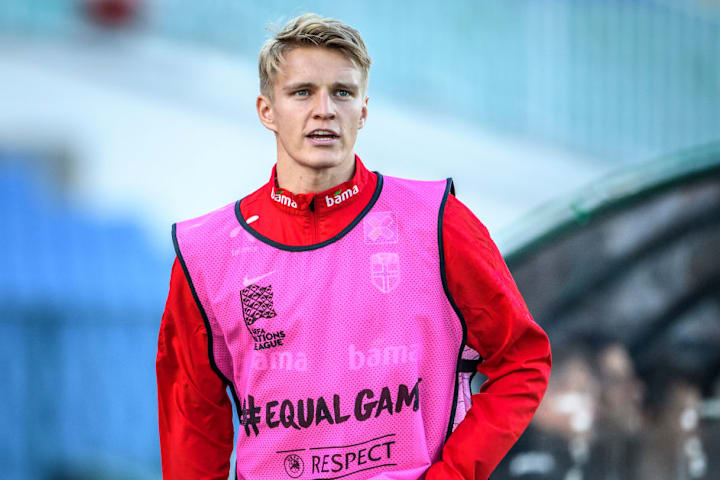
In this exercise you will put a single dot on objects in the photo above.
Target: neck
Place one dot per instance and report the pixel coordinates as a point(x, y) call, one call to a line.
point(302, 179)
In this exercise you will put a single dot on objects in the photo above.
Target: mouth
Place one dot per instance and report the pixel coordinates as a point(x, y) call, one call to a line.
point(321, 136)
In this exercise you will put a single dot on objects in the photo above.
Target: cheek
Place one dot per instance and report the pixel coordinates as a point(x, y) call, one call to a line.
point(289, 128)
point(353, 119)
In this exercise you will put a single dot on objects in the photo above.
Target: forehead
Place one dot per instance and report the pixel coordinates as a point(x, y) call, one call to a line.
point(317, 65)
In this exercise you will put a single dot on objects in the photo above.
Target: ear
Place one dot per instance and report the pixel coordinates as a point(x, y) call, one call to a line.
point(265, 112)
point(363, 113)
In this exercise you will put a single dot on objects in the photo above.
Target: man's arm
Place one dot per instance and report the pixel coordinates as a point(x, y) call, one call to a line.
point(515, 349)
point(196, 430)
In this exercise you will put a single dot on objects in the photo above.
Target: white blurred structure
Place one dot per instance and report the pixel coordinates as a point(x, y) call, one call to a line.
point(167, 131)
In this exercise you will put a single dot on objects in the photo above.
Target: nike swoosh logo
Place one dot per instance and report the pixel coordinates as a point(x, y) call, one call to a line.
point(249, 281)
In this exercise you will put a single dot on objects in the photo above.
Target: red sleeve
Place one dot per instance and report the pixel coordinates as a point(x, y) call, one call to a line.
point(196, 430)
point(499, 326)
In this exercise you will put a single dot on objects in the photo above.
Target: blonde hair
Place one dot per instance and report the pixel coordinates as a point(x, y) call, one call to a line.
point(311, 30)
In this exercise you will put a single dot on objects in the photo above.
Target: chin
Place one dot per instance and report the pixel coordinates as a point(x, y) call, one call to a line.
point(323, 161)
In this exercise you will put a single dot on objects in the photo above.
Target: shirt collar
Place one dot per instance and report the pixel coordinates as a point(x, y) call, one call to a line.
point(328, 200)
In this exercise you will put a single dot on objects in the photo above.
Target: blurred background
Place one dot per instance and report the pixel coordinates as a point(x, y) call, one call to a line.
point(584, 134)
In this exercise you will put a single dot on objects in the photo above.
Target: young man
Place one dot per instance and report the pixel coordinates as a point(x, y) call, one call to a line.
point(341, 306)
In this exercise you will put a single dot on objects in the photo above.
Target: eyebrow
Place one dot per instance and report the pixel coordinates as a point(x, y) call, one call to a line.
point(346, 86)
point(298, 86)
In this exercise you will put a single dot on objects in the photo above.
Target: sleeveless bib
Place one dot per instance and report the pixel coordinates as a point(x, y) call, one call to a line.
point(343, 357)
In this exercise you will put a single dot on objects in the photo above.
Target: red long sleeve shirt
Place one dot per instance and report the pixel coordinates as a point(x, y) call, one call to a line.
point(195, 411)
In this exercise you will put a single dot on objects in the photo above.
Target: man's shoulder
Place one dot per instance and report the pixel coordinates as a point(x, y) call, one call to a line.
point(415, 181)
point(419, 190)
point(215, 214)
point(206, 229)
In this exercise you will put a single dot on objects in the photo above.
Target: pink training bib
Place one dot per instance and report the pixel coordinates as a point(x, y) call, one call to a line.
point(344, 356)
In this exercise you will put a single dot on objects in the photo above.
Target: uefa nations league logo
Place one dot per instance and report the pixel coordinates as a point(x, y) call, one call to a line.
point(257, 302)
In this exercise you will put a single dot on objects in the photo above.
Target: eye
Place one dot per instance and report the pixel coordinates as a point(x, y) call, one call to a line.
point(343, 93)
point(304, 92)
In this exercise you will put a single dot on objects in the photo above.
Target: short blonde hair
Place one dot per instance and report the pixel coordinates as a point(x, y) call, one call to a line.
point(311, 30)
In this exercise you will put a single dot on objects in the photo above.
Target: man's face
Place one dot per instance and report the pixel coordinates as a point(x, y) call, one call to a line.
point(318, 107)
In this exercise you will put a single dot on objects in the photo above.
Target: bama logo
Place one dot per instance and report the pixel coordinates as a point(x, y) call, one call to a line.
point(280, 361)
point(341, 196)
point(386, 356)
point(282, 199)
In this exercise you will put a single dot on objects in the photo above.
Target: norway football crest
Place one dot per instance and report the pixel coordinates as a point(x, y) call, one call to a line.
point(257, 302)
point(380, 227)
point(385, 271)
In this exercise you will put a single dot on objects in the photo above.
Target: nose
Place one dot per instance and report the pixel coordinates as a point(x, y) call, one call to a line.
point(324, 107)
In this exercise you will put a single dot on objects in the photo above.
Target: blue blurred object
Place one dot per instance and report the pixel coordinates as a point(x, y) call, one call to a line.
point(81, 301)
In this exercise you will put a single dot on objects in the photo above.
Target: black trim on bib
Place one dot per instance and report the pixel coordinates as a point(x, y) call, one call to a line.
point(208, 330)
point(468, 366)
point(304, 248)
point(448, 189)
